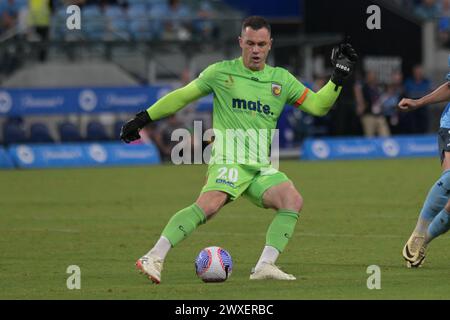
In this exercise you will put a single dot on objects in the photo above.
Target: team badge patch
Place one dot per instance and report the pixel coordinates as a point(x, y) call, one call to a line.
point(276, 89)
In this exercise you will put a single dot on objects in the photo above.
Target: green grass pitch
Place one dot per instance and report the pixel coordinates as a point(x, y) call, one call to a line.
point(356, 214)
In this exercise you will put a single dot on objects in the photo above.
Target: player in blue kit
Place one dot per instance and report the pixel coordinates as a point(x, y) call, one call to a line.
point(434, 218)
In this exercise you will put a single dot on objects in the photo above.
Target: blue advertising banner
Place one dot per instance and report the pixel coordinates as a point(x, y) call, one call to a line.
point(5, 160)
point(369, 148)
point(83, 155)
point(205, 104)
point(16, 102)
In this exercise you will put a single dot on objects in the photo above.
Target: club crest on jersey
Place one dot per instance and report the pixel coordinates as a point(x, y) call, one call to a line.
point(276, 89)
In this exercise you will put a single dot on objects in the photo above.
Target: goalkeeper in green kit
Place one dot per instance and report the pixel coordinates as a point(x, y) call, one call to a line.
point(249, 96)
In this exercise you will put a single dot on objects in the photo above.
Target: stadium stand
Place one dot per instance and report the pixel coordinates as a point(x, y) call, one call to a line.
point(68, 132)
point(116, 129)
point(13, 132)
point(153, 42)
point(96, 132)
point(139, 25)
point(116, 22)
point(39, 133)
point(93, 23)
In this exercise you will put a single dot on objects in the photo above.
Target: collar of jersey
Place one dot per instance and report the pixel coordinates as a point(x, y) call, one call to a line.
point(247, 70)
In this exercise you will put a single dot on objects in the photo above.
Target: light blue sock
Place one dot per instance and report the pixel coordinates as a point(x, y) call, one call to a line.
point(439, 225)
point(435, 202)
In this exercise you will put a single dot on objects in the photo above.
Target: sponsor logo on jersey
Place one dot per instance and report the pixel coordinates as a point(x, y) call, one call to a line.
point(252, 106)
point(231, 184)
point(276, 89)
point(230, 81)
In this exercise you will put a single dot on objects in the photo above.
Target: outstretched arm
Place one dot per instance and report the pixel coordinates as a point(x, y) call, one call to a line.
point(166, 106)
point(170, 103)
point(441, 94)
point(320, 102)
point(175, 101)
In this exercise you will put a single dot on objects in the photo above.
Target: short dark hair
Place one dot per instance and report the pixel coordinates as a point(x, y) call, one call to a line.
point(256, 23)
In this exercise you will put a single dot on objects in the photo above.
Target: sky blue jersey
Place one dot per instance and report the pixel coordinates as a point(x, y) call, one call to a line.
point(445, 117)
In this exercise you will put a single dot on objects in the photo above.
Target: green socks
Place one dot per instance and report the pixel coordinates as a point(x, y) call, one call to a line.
point(281, 229)
point(183, 223)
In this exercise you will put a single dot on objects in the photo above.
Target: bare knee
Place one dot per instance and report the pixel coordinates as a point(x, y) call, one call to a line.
point(283, 196)
point(292, 201)
point(211, 202)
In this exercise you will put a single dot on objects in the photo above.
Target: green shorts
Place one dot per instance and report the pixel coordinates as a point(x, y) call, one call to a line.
point(247, 180)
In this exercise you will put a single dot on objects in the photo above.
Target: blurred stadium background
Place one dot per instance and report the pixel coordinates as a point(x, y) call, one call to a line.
point(65, 93)
point(60, 85)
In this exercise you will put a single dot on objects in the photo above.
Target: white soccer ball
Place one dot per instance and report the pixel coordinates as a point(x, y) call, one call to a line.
point(213, 264)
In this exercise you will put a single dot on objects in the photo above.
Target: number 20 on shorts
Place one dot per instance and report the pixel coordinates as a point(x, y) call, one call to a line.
point(230, 174)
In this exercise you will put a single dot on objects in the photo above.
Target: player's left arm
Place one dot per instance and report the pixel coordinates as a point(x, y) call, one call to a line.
point(319, 103)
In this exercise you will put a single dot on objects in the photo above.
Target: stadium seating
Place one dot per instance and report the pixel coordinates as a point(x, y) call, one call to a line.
point(68, 132)
point(93, 22)
point(39, 133)
point(13, 133)
point(117, 126)
point(96, 132)
point(139, 26)
point(117, 22)
point(57, 29)
point(141, 2)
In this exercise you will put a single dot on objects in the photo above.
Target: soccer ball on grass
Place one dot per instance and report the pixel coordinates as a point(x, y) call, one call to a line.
point(213, 264)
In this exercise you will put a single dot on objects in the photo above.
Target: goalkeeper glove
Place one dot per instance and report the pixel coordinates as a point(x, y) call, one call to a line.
point(343, 59)
point(130, 130)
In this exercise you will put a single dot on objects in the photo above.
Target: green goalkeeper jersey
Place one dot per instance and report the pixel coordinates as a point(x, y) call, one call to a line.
point(247, 105)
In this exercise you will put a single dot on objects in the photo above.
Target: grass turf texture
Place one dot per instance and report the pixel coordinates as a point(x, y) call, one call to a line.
point(356, 214)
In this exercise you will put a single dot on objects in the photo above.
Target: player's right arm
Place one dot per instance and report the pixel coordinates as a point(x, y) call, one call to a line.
point(169, 104)
point(441, 94)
